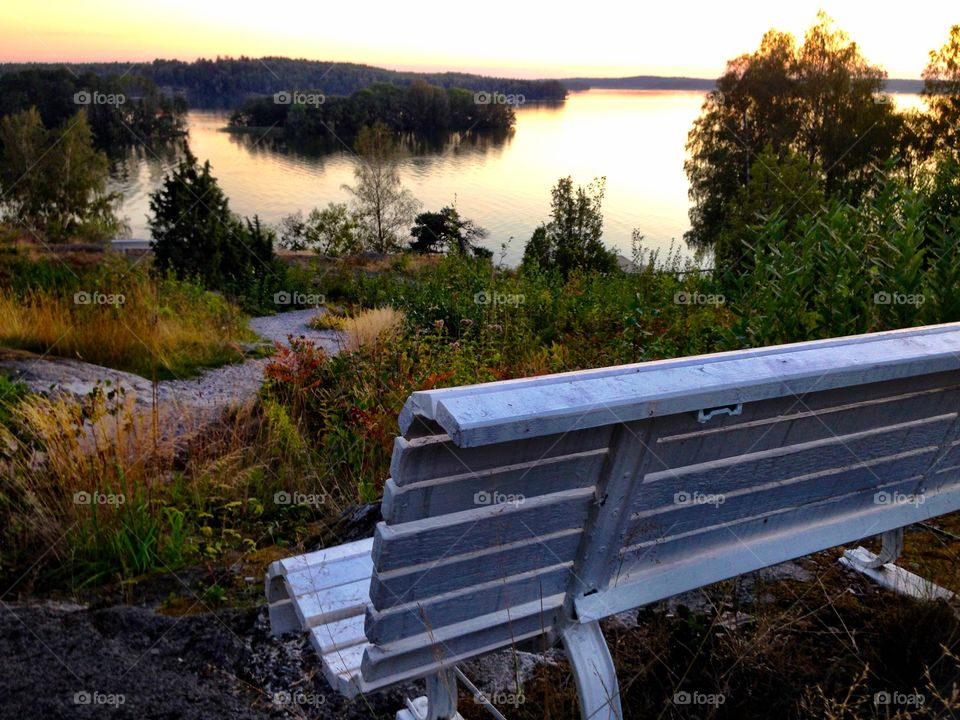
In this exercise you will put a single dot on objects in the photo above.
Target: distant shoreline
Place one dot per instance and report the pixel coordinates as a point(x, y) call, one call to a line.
point(658, 82)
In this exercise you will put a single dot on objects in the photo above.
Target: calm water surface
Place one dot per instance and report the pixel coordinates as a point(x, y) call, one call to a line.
point(634, 137)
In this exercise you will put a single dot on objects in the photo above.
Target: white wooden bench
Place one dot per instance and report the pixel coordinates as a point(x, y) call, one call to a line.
point(528, 510)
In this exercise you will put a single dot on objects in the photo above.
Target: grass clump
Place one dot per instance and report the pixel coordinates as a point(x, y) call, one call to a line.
point(122, 317)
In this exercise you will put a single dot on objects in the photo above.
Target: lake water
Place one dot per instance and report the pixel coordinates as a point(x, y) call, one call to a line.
point(635, 138)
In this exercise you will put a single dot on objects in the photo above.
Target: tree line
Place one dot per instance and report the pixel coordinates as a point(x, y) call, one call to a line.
point(226, 82)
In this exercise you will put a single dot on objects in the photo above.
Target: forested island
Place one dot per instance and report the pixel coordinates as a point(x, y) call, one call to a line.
point(417, 107)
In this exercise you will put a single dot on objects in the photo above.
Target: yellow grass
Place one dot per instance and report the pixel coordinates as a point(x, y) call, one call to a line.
point(159, 327)
point(372, 328)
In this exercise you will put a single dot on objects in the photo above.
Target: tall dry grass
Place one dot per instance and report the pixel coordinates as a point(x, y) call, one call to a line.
point(372, 328)
point(104, 487)
point(131, 322)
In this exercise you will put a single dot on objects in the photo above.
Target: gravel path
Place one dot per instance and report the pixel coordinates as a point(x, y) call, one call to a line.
point(237, 383)
point(211, 390)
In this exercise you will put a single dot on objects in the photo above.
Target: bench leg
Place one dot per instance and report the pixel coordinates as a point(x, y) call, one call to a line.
point(881, 570)
point(891, 549)
point(440, 702)
point(593, 671)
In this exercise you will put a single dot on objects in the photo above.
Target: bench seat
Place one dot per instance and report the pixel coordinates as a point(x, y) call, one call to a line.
point(326, 593)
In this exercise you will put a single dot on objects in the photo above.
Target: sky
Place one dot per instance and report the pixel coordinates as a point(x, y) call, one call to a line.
point(520, 38)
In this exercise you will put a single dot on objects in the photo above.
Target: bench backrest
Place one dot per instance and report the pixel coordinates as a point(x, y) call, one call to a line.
point(515, 506)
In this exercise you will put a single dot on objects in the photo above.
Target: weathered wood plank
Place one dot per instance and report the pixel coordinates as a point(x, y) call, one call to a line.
point(298, 563)
point(421, 655)
point(326, 605)
point(777, 497)
point(342, 669)
point(830, 457)
point(435, 538)
point(403, 621)
point(506, 415)
point(337, 572)
point(436, 457)
point(338, 634)
point(789, 420)
point(423, 405)
point(419, 582)
point(654, 555)
point(759, 548)
point(465, 491)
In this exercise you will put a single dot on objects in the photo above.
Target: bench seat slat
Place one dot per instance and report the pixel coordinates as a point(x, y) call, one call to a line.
point(331, 574)
point(342, 669)
point(323, 606)
point(338, 634)
point(299, 563)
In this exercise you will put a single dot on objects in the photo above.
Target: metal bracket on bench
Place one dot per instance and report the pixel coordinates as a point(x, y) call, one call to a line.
point(891, 549)
point(593, 671)
point(708, 413)
point(890, 576)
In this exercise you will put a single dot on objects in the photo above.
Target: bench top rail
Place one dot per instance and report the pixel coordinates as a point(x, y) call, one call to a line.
point(501, 411)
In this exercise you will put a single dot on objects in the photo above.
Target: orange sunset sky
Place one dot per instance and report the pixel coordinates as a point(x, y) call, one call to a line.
point(526, 39)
